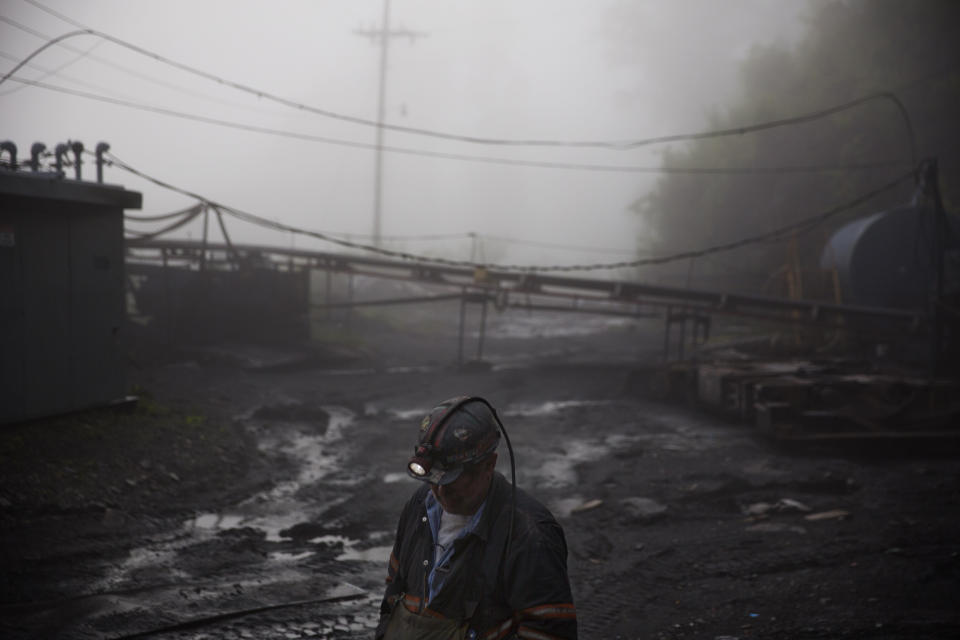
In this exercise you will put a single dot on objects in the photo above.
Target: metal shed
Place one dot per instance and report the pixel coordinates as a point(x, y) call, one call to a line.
point(61, 293)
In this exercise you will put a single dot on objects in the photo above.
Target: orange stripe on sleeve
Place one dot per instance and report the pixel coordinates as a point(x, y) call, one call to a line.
point(562, 610)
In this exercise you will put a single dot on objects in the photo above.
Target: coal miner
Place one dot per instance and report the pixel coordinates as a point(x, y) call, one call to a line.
point(474, 556)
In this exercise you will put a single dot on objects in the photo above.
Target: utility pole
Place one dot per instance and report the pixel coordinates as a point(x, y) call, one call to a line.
point(384, 33)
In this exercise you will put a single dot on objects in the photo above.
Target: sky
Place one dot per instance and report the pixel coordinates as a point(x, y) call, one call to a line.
point(560, 70)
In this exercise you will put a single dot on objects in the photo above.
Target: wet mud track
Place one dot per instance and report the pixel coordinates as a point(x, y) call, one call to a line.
point(678, 525)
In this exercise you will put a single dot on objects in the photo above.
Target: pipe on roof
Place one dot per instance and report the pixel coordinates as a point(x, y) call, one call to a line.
point(77, 148)
point(10, 148)
point(102, 148)
point(58, 153)
point(35, 150)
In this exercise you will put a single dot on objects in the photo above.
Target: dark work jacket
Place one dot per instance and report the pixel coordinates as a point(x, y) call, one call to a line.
point(528, 597)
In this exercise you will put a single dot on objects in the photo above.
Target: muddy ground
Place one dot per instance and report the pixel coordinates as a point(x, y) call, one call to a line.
point(252, 492)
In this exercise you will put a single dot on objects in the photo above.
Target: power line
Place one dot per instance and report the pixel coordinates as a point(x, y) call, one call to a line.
point(346, 236)
point(552, 245)
point(605, 168)
point(402, 238)
point(185, 217)
point(124, 69)
point(50, 72)
point(109, 63)
point(165, 216)
point(468, 235)
point(797, 227)
point(606, 144)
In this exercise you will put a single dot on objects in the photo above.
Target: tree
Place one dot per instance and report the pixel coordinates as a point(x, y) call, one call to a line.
point(852, 49)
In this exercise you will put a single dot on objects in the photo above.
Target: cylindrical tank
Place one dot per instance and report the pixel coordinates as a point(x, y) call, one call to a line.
point(885, 259)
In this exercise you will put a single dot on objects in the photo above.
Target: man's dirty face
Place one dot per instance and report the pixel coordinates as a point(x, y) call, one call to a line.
point(464, 495)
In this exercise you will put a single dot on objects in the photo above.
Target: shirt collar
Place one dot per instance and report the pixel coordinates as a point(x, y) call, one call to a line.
point(434, 510)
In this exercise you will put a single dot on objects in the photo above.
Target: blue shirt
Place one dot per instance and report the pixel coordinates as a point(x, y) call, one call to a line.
point(437, 573)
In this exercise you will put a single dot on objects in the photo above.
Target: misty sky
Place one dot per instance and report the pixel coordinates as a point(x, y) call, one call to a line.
point(543, 69)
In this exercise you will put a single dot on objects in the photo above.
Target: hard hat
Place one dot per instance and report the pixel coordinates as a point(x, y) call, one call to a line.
point(456, 433)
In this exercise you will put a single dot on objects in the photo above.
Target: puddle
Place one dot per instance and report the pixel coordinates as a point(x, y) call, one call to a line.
point(316, 455)
point(217, 521)
point(547, 326)
point(331, 540)
point(379, 555)
point(517, 410)
point(549, 408)
point(277, 518)
point(408, 414)
point(556, 469)
point(162, 554)
point(287, 556)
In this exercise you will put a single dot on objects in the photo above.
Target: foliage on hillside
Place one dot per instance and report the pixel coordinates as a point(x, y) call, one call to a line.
point(851, 49)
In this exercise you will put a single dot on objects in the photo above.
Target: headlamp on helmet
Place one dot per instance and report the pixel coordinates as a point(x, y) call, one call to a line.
point(421, 463)
point(455, 434)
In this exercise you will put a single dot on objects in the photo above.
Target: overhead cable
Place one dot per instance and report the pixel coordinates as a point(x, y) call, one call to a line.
point(606, 144)
point(780, 232)
point(821, 168)
point(464, 235)
point(50, 72)
point(187, 216)
point(552, 245)
point(164, 216)
point(110, 63)
point(101, 60)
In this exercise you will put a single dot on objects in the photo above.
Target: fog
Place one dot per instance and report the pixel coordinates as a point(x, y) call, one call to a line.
point(539, 69)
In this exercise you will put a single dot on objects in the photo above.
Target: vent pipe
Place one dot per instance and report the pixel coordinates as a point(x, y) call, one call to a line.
point(102, 148)
point(77, 148)
point(11, 148)
point(35, 150)
point(58, 153)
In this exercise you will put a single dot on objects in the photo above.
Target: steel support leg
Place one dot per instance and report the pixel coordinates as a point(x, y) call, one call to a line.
point(668, 319)
point(483, 328)
point(463, 319)
point(683, 334)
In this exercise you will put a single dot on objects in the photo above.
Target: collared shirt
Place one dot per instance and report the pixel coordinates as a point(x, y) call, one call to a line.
point(443, 556)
